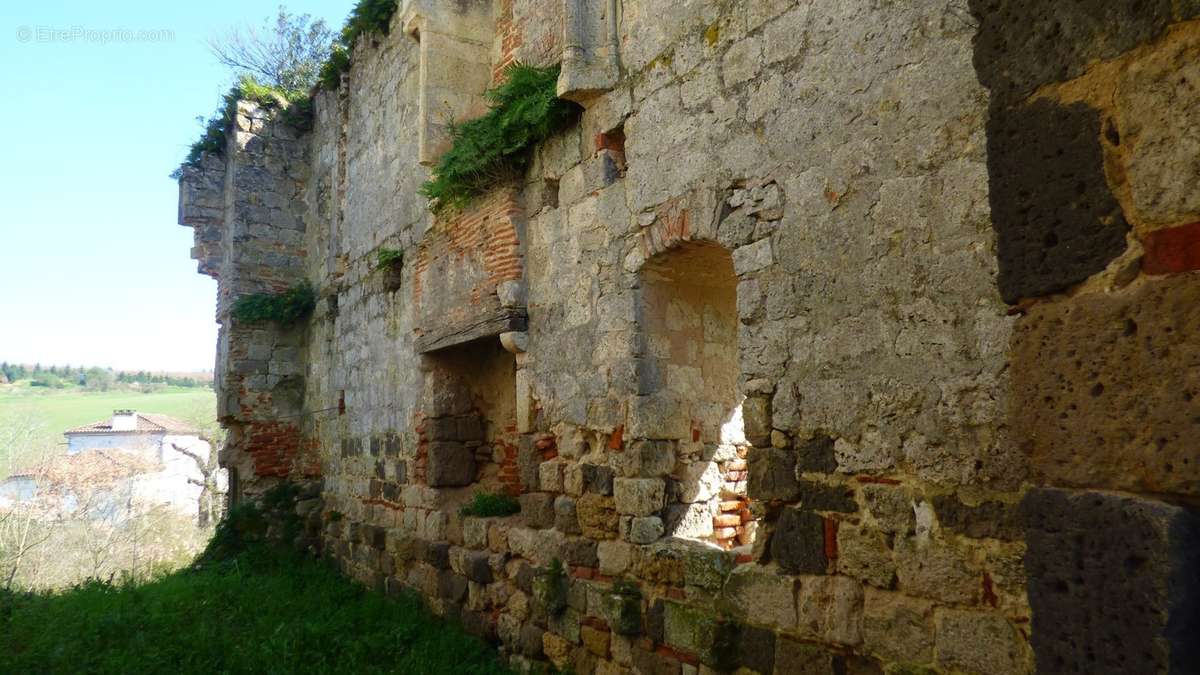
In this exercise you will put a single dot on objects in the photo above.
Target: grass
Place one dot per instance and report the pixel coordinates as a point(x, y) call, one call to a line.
point(53, 411)
point(261, 611)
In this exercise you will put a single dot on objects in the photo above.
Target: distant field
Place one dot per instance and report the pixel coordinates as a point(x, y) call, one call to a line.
point(53, 411)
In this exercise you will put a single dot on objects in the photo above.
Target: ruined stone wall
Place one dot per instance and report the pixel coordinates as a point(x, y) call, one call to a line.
point(832, 337)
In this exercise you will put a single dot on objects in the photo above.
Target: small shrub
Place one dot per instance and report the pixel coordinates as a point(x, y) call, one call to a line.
point(387, 257)
point(297, 108)
point(525, 110)
point(284, 308)
point(368, 16)
point(484, 505)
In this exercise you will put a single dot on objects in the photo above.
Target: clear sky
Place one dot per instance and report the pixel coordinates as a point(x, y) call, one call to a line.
point(94, 269)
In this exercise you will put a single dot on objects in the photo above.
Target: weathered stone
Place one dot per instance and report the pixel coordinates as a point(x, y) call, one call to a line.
point(897, 627)
point(647, 459)
point(1111, 581)
point(687, 628)
point(820, 497)
point(689, 520)
point(477, 568)
point(565, 518)
point(816, 454)
point(761, 595)
point(550, 476)
point(531, 641)
point(1081, 405)
point(450, 464)
point(793, 657)
point(660, 563)
point(891, 507)
point(638, 496)
point(1162, 81)
point(624, 614)
point(980, 642)
point(798, 542)
point(452, 586)
point(831, 609)
point(598, 518)
point(933, 569)
point(645, 530)
point(598, 479)
point(706, 567)
point(993, 519)
point(537, 508)
point(864, 554)
point(595, 640)
point(772, 475)
point(756, 414)
point(579, 551)
point(614, 557)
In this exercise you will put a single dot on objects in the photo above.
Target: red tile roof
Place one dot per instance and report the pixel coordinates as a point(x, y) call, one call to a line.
point(147, 423)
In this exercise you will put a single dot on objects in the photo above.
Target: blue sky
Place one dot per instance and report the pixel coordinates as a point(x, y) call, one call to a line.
point(94, 269)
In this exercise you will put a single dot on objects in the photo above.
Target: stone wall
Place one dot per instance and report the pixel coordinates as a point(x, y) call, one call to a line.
point(832, 337)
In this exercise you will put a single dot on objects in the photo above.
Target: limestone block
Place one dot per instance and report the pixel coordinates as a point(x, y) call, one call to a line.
point(864, 555)
point(579, 552)
point(475, 532)
point(981, 642)
point(1099, 398)
point(565, 518)
point(687, 628)
point(762, 595)
point(647, 459)
point(657, 416)
point(742, 61)
point(538, 509)
point(689, 520)
point(598, 518)
point(639, 496)
point(700, 482)
point(707, 567)
point(831, 609)
point(1111, 582)
point(897, 627)
point(932, 569)
point(891, 506)
point(597, 479)
point(645, 530)
point(614, 557)
point(550, 476)
point(595, 640)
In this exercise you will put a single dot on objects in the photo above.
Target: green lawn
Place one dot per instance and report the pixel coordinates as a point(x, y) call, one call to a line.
point(50, 412)
point(263, 611)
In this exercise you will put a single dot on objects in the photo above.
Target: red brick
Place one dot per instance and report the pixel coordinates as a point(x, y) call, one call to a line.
point(1173, 250)
point(831, 528)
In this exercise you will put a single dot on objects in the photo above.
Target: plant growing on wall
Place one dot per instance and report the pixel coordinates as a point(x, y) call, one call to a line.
point(484, 505)
point(368, 16)
point(296, 105)
point(284, 308)
point(524, 111)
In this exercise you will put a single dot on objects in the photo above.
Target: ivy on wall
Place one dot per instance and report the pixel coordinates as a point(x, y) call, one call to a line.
point(524, 111)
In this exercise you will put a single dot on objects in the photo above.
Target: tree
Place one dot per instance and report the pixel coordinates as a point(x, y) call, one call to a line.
point(288, 54)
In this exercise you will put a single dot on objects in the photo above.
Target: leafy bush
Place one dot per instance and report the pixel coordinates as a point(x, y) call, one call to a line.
point(484, 505)
point(524, 111)
point(388, 257)
point(284, 308)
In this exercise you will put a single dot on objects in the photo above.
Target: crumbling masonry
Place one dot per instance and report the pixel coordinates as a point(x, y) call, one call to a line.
point(836, 336)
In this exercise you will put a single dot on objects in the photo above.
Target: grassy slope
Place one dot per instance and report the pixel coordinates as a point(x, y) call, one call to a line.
point(265, 611)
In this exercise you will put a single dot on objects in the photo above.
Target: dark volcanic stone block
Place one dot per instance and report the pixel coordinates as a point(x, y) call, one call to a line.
point(1024, 44)
point(816, 455)
point(1056, 221)
point(772, 474)
point(1105, 390)
point(450, 464)
point(1113, 583)
point(993, 519)
point(798, 543)
point(821, 497)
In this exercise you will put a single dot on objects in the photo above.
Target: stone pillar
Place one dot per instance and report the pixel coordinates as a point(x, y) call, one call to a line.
point(455, 66)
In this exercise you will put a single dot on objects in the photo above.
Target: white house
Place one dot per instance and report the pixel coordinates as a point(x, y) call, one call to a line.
point(171, 445)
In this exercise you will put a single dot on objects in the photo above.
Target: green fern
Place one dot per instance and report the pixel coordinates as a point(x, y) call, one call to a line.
point(524, 111)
